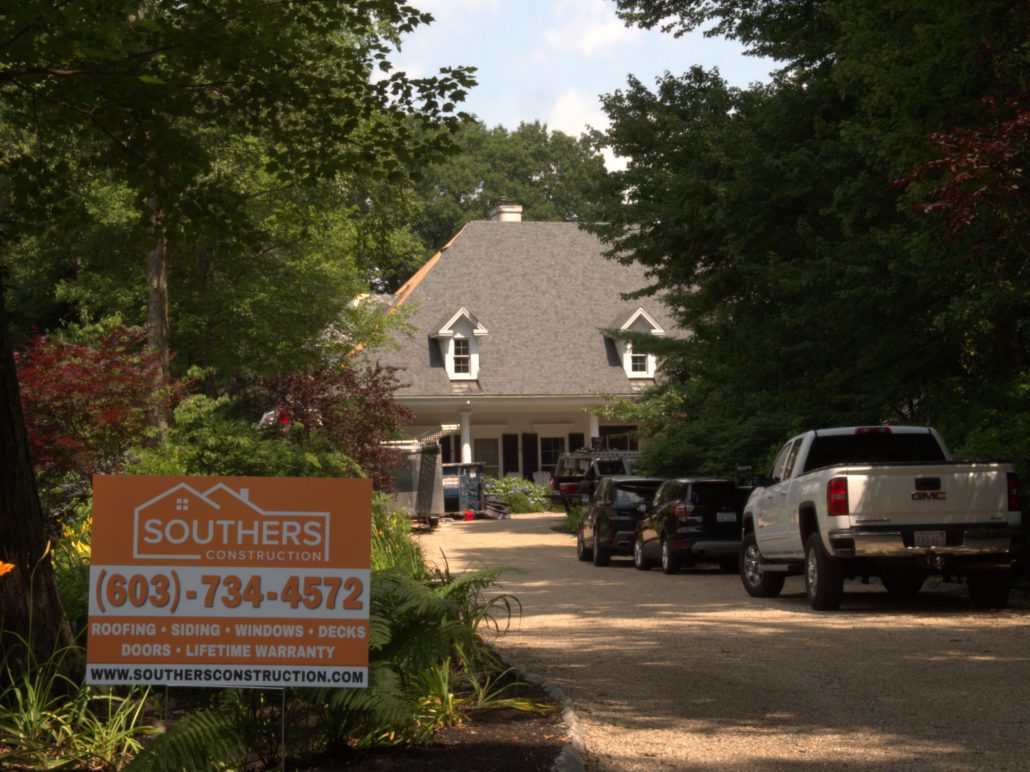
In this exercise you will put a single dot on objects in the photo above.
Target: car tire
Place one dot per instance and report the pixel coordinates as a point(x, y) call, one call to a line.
point(602, 555)
point(903, 582)
point(989, 589)
point(583, 552)
point(824, 576)
point(758, 583)
point(670, 560)
point(640, 561)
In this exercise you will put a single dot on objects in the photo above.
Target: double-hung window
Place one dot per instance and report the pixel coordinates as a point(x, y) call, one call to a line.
point(462, 356)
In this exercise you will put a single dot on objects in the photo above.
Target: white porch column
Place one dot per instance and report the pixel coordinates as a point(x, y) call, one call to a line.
point(595, 428)
point(466, 436)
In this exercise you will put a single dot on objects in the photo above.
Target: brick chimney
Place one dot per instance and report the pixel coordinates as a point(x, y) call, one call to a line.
point(506, 211)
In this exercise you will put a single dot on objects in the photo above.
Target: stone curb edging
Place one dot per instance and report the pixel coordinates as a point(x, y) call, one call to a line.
point(571, 757)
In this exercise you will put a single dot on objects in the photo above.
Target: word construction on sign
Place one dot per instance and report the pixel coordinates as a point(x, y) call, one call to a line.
point(229, 581)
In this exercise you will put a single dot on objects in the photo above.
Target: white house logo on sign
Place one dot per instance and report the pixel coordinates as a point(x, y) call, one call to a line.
point(223, 524)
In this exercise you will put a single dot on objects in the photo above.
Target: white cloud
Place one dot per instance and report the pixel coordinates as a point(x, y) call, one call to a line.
point(573, 112)
point(587, 27)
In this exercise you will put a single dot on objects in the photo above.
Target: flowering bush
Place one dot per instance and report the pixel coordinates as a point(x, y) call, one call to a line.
point(520, 495)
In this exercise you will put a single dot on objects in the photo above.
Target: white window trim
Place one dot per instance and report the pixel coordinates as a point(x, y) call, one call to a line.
point(635, 320)
point(627, 362)
point(473, 372)
point(462, 325)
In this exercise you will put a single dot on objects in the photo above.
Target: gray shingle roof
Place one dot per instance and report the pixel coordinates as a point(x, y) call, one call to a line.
point(544, 291)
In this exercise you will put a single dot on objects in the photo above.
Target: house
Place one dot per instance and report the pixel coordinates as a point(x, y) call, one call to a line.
point(509, 361)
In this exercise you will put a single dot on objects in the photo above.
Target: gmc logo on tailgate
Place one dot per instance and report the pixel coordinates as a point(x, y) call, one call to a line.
point(929, 496)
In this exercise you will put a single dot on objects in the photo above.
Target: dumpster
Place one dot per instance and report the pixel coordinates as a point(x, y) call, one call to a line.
point(416, 481)
point(463, 488)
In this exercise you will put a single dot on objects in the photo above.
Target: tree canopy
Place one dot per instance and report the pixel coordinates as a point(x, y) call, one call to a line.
point(212, 170)
point(206, 138)
point(552, 175)
point(844, 242)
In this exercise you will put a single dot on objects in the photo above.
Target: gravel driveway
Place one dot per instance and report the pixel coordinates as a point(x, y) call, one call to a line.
point(688, 672)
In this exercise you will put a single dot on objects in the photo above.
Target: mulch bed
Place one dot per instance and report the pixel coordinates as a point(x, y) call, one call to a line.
point(494, 739)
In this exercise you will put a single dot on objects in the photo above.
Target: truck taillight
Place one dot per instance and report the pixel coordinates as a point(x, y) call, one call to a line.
point(873, 430)
point(683, 510)
point(837, 496)
point(1015, 500)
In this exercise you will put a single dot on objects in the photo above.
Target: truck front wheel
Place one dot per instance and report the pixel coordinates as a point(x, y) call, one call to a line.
point(824, 576)
point(758, 583)
point(989, 589)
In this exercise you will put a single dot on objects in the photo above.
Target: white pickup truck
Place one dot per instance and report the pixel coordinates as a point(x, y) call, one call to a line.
point(881, 501)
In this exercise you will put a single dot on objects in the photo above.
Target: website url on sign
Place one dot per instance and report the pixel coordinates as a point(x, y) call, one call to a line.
point(214, 675)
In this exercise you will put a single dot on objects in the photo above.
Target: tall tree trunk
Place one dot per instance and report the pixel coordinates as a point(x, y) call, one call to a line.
point(30, 608)
point(157, 300)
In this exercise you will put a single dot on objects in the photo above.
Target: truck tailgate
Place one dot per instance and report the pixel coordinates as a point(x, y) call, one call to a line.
point(936, 493)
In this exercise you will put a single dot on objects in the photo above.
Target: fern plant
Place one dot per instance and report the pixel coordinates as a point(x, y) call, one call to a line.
point(203, 739)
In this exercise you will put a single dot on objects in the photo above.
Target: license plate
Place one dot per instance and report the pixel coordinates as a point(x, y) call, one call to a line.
point(930, 539)
point(725, 517)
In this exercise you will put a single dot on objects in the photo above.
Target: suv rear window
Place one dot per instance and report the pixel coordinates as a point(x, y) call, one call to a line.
point(711, 494)
point(829, 450)
point(633, 492)
point(615, 466)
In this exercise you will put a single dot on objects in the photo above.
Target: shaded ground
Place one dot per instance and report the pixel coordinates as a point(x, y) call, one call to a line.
point(499, 740)
point(688, 672)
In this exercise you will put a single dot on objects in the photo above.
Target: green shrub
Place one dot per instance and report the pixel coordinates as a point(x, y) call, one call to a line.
point(205, 439)
point(71, 556)
point(428, 663)
point(392, 545)
point(572, 517)
point(520, 495)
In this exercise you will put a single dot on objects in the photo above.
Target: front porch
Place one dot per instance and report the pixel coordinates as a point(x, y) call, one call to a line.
point(515, 436)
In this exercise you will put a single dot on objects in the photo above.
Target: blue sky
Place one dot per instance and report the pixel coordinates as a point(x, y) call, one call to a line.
point(550, 60)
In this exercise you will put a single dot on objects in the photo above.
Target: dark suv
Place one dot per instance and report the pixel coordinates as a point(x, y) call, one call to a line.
point(693, 521)
point(608, 525)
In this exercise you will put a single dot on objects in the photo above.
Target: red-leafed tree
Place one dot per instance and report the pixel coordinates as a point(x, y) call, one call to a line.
point(85, 406)
point(353, 408)
point(984, 174)
point(979, 186)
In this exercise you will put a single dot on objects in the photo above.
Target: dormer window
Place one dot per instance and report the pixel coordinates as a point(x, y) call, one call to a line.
point(462, 360)
point(637, 364)
point(458, 336)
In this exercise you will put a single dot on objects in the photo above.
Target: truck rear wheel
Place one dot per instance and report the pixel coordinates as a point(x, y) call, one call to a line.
point(989, 589)
point(824, 576)
point(758, 583)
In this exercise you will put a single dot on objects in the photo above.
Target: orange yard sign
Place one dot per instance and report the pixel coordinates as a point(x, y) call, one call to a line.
point(229, 581)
